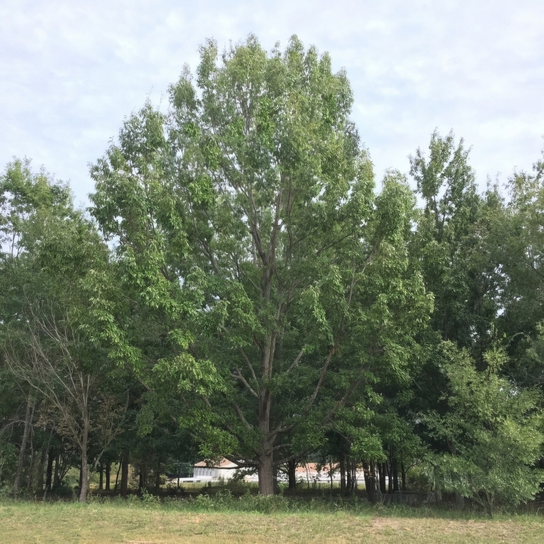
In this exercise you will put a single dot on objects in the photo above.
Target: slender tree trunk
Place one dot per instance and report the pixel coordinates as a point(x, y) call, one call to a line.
point(108, 475)
point(349, 476)
point(30, 481)
point(124, 474)
point(26, 430)
point(117, 475)
point(41, 465)
point(387, 477)
point(395, 475)
point(381, 475)
point(84, 489)
point(403, 473)
point(56, 478)
point(49, 470)
point(370, 480)
point(143, 476)
point(292, 474)
point(100, 477)
point(438, 493)
point(342, 461)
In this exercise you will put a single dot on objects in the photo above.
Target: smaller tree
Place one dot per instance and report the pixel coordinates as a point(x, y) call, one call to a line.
point(51, 329)
point(493, 430)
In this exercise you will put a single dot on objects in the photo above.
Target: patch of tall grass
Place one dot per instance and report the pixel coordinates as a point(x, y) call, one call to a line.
point(225, 501)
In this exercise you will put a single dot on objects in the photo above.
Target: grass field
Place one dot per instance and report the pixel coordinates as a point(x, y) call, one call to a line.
point(148, 522)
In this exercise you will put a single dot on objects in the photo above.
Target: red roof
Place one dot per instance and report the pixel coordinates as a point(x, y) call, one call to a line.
point(312, 468)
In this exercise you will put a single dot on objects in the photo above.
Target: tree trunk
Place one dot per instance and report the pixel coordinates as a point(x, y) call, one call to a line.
point(41, 465)
point(124, 474)
point(349, 475)
point(84, 488)
point(395, 475)
point(342, 460)
point(438, 493)
point(266, 457)
point(142, 484)
point(49, 470)
point(26, 430)
point(30, 481)
point(56, 478)
point(117, 475)
point(370, 480)
point(108, 475)
point(292, 474)
point(100, 477)
point(266, 473)
point(381, 475)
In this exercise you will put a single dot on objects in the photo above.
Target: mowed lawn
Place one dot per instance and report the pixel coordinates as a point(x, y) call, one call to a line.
point(70, 523)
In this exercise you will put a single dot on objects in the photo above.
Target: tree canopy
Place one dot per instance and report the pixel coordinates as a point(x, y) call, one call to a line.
point(243, 288)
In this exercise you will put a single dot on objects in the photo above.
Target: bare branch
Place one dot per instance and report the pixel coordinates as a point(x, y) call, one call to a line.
point(240, 415)
point(296, 361)
point(250, 366)
point(238, 375)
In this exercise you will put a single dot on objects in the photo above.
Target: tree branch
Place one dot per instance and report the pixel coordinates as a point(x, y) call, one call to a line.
point(239, 377)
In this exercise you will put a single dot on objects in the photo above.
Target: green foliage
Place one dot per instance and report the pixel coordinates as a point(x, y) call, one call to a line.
point(448, 244)
point(246, 220)
point(25, 195)
point(250, 293)
point(52, 328)
point(494, 431)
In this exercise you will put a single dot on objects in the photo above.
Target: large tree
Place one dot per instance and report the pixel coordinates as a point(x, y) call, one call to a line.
point(246, 219)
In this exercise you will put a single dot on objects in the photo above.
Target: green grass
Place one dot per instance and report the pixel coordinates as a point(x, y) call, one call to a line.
point(251, 519)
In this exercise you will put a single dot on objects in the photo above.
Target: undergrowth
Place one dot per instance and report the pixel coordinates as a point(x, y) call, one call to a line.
point(224, 501)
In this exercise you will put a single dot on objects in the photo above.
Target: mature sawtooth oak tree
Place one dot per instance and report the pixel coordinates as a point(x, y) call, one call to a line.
point(246, 220)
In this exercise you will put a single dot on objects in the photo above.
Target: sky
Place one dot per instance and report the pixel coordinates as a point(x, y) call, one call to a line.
point(72, 71)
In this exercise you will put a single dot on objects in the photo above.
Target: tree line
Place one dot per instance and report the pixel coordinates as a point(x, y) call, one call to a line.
point(241, 287)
